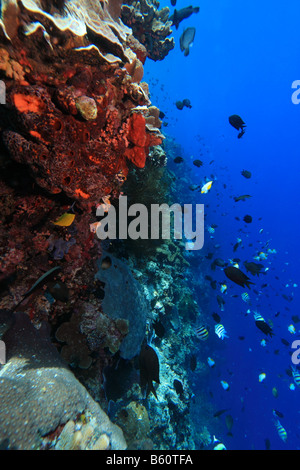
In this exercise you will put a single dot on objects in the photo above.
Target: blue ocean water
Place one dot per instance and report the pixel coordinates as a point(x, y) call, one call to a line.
point(244, 60)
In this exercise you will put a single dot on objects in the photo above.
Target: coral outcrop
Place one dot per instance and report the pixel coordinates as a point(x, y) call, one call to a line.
point(150, 26)
point(71, 116)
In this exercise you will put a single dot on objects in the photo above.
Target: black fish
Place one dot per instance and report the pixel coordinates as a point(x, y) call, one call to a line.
point(182, 14)
point(173, 3)
point(186, 39)
point(264, 327)
point(247, 219)
point(193, 362)
point(178, 387)
point(179, 105)
point(187, 103)
point(220, 412)
point(216, 317)
point(238, 123)
point(246, 174)
point(184, 103)
point(254, 268)
point(237, 276)
point(198, 163)
point(278, 413)
point(178, 160)
point(149, 369)
point(219, 262)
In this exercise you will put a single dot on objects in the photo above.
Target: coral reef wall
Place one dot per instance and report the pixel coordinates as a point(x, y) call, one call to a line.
point(77, 118)
point(78, 123)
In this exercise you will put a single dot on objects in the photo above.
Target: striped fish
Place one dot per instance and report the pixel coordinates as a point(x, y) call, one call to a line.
point(296, 376)
point(246, 297)
point(262, 324)
point(220, 331)
point(281, 431)
point(258, 317)
point(201, 333)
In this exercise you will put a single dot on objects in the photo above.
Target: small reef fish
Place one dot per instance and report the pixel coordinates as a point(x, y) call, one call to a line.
point(65, 220)
point(149, 369)
point(186, 40)
point(201, 333)
point(238, 123)
point(184, 103)
point(210, 229)
point(220, 331)
point(242, 198)
point(280, 429)
point(42, 280)
point(198, 163)
point(178, 160)
point(260, 256)
point(182, 14)
point(223, 288)
point(261, 377)
point(221, 412)
point(225, 385)
point(247, 219)
point(237, 276)
point(253, 268)
point(246, 174)
point(296, 376)
point(206, 187)
point(210, 362)
point(221, 302)
point(262, 325)
point(218, 445)
point(246, 298)
point(292, 329)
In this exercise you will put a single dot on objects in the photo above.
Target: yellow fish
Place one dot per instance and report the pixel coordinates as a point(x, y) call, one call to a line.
point(206, 187)
point(65, 220)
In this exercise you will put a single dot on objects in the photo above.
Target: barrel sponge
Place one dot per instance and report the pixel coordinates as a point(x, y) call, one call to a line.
point(125, 299)
point(38, 391)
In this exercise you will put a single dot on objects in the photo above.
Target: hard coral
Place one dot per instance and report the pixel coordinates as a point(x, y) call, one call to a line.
point(75, 351)
point(71, 114)
point(39, 393)
point(100, 330)
point(150, 26)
